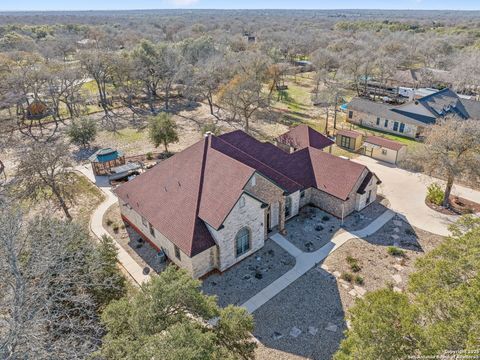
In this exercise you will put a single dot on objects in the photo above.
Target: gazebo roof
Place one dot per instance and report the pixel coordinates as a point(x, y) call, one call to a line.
point(105, 155)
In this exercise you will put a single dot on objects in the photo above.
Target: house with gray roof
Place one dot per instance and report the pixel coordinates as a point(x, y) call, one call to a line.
point(412, 118)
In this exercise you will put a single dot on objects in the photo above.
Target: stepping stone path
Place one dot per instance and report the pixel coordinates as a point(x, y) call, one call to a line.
point(396, 229)
point(312, 330)
point(353, 293)
point(397, 278)
point(331, 327)
point(398, 267)
point(395, 236)
point(295, 332)
point(360, 290)
point(337, 274)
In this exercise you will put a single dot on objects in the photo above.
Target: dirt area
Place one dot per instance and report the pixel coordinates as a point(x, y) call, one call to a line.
point(458, 206)
point(142, 252)
point(312, 228)
point(239, 283)
point(383, 259)
point(307, 319)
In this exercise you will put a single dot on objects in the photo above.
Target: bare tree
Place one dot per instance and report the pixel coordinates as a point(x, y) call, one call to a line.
point(44, 172)
point(452, 148)
point(54, 282)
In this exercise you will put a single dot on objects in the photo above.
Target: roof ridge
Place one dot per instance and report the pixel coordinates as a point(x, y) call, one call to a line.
point(250, 156)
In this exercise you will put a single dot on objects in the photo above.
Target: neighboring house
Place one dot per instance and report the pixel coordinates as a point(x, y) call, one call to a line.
point(424, 77)
point(412, 118)
point(374, 146)
point(350, 140)
point(213, 204)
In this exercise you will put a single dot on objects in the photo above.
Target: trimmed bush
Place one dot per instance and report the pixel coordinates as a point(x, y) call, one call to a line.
point(435, 194)
point(394, 251)
point(359, 280)
point(347, 276)
point(354, 266)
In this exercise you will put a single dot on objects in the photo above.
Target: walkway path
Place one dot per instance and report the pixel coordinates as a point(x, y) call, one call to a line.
point(96, 225)
point(305, 260)
point(406, 192)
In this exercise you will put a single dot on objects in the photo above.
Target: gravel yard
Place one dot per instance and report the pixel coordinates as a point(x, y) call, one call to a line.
point(243, 280)
point(142, 252)
point(379, 268)
point(312, 228)
point(306, 319)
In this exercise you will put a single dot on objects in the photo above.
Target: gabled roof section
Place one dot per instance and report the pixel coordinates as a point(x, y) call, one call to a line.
point(386, 143)
point(444, 103)
point(168, 196)
point(303, 136)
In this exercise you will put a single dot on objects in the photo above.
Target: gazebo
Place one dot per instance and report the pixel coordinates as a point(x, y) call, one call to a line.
point(105, 159)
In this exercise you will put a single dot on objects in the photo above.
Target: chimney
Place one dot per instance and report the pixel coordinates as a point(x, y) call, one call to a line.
point(208, 134)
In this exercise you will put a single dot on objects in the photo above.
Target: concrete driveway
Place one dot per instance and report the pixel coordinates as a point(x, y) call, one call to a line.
point(406, 192)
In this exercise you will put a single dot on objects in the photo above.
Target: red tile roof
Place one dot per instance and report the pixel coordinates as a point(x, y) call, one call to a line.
point(386, 143)
point(349, 133)
point(201, 184)
point(303, 136)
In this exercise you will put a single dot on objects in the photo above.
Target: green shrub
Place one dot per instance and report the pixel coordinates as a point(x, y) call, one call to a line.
point(347, 276)
point(435, 194)
point(359, 280)
point(149, 155)
point(394, 251)
point(353, 264)
point(109, 222)
point(115, 228)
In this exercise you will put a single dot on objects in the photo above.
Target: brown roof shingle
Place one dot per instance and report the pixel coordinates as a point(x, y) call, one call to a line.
point(303, 136)
point(386, 143)
point(201, 184)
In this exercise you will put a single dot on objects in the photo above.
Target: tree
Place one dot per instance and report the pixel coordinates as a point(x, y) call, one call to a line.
point(243, 95)
point(44, 172)
point(439, 311)
point(452, 147)
point(169, 318)
point(162, 130)
point(51, 272)
point(83, 131)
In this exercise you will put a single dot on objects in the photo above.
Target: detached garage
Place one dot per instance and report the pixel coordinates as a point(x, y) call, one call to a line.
point(384, 149)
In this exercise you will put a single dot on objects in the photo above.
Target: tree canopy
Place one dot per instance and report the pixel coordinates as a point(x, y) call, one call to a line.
point(439, 311)
point(170, 318)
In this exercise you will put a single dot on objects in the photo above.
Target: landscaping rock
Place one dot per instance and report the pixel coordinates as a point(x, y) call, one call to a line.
point(396, 229)
point(397, 223)
point(337, 274)
point(277, 335)
point(353, 293)
point(312, 330)
point(398, 267)
point(359, 290)
point(331, 327)
point(295, 332)
point(397, 289)
point(397, 278)
point(395, 236)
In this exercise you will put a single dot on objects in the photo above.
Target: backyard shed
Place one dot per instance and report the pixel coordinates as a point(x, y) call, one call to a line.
point(104, 160)
point(384, 149)
point(349, 139)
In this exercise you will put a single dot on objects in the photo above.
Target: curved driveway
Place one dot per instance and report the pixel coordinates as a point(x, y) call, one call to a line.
point(406, 192)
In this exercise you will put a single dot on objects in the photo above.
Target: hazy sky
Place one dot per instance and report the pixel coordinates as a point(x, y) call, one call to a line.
point(236, 4)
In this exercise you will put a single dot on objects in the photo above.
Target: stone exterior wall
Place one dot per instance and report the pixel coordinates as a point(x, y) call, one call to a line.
point(334, 205)
point(370, 121)
point(197, 266)
point(262, 188)
point(306, 198)
point(250, 215)
point(295, 198)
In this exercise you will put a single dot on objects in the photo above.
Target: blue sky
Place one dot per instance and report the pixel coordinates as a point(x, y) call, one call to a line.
point(9, 5)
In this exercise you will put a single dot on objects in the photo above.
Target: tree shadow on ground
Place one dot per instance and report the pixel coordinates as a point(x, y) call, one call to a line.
point(305, 319)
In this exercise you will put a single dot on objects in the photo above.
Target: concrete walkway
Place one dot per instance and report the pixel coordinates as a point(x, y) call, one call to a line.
point(96, 224)
point(406, 192)
point(305, 260)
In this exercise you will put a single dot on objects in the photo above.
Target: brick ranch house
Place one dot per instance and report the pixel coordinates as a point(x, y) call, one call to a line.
point(213, 204)
point(412, 118)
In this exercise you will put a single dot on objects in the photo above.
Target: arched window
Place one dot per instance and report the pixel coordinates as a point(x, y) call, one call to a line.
point(242, 242)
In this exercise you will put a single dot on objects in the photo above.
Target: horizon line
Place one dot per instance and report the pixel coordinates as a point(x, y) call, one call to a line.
point(232, 9)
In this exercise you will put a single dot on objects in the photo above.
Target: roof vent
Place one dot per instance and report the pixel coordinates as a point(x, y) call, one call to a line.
point(165, 188)
point(179, 185)
point(207, 133)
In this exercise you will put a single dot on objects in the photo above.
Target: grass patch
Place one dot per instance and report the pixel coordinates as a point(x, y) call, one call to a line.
point(395, 251)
